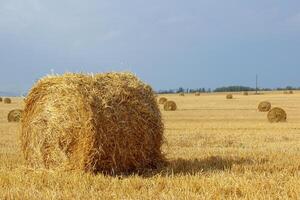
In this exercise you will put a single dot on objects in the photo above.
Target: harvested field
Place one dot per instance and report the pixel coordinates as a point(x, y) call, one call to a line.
point(216, 149)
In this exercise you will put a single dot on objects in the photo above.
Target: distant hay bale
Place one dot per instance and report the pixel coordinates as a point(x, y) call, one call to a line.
point(245, 93)
point(162, 100)
point(264, 106)
point(14, 115)
point(197, 94)
point(181, 94)
point(107, 123)
point(7, 100)
point(229, 96)
point(170, 106)
point(277, 115)
point(288, 92)
point(1, 99)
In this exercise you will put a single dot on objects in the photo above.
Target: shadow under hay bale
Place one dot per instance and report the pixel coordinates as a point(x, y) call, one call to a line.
point(193, 166)
point(229, 96)
point(277, 115)
point(7, 100)
point(162, 100)
point(264, 106)
point(14, 115)
point(107, 123)
point(170, 106)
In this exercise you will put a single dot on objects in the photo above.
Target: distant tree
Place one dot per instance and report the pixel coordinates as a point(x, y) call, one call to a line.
point(181, 89)
point(234, 89)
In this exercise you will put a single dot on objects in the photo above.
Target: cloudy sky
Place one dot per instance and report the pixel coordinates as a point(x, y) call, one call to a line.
point(167, 43)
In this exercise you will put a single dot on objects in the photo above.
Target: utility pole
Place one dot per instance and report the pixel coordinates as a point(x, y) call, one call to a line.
point(256, 84)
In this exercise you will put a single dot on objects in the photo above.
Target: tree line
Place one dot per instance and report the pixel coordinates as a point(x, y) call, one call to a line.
point(224, 89)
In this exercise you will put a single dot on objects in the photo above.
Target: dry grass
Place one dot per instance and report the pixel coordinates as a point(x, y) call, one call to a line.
point(217, 149)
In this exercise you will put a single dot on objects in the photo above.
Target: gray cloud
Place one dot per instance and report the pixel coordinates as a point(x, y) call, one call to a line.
point(209, 41)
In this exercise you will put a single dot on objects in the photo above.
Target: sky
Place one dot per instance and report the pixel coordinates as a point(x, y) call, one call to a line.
point(167, 43)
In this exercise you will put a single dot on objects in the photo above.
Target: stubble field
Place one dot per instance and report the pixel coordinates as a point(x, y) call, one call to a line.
point(216, 148)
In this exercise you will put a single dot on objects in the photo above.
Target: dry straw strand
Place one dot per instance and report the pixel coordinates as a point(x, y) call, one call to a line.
point(277, 115)
point(264, 106)
point(170, 106)
point(106, 123)
point(14, 115)
point(7, 100)
point(162, 100)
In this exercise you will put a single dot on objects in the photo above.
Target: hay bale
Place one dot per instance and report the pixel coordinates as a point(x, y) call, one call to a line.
point(277, 115)
point(197, 94)
point(181, 94)
point(1, 99)
point(229, 96)
point(246, 93)
point(264, 106)
point(170, 106)
point(288, 92)
point(14, 115)
point(162, 100)
point(106, 123)
point(7, 100)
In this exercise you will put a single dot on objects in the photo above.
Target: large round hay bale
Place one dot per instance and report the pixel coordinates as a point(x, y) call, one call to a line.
point(1, 99)
point(14, 115)
point(277, 115)
point(7, 100)
point(181, 94)
point(229, 96)
point(162, 100)
point(170, 106)
point(291, 92)
point(264, 106)
point(245, 93)
point(197, 94)
point(106, 123)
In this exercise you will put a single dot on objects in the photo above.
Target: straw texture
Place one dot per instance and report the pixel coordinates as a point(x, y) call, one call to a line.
point(106, 123)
